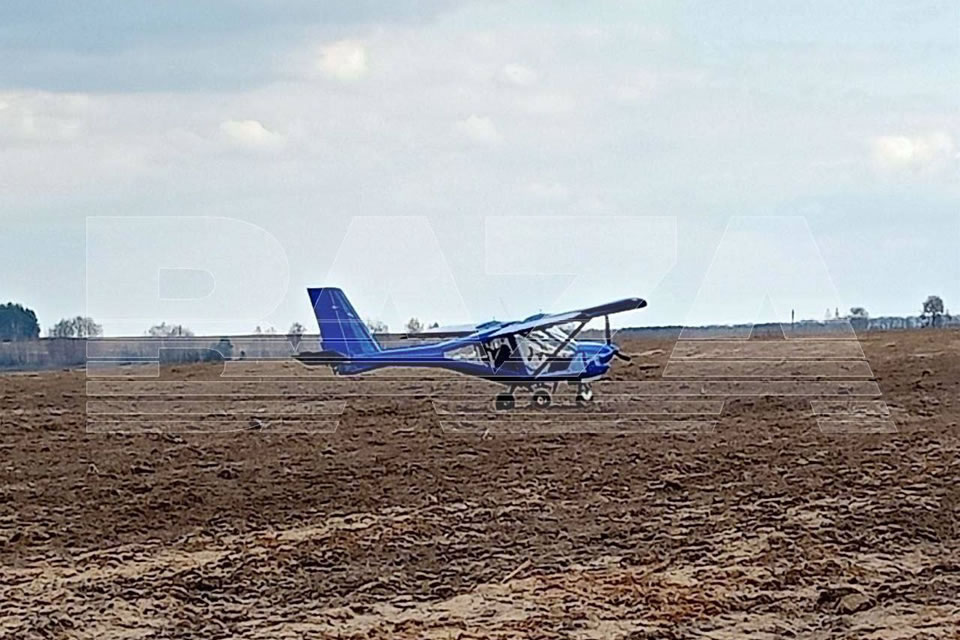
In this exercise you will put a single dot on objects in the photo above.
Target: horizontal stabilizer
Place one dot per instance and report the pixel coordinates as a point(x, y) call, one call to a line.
point(321, 358)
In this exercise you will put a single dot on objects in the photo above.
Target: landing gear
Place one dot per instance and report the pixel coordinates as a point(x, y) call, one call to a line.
point(505, 402)
point(541, 396)
point(584, 393)
point(541, 399)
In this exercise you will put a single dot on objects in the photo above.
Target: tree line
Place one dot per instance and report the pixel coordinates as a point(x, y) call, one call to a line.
point(20, 323)
point(933, 314)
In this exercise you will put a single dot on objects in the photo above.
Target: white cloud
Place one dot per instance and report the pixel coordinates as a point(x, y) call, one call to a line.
point(641, 87)
point(518, 75)
point(479, 129)
point(548, 104)
point(250, 133)
point(591, 205)
point(919, 153)
point(548, 191)
point(42, 116)
point(344, 60)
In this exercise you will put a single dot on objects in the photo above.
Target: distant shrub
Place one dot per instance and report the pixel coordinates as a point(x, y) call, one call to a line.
point(222, 350)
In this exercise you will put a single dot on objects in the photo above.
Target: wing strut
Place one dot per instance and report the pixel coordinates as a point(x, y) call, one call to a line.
point(552, 356)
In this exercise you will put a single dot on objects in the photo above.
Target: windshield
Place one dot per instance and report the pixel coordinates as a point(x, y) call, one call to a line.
point(547, 342)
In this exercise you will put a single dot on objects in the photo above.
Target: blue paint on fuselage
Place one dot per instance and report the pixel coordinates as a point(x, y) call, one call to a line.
point(590, 360)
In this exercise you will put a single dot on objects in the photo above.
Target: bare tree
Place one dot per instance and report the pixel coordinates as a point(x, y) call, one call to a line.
point(78, 327)
point(859, 319)
point(377, 326)
point(295, 334)
point(932, 311)
point(164, 330)
point(296, 329)
point(414, 326)
point(63, 329)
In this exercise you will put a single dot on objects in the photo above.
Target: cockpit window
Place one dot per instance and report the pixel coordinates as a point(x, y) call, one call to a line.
point(540, 344)
point(555, 337)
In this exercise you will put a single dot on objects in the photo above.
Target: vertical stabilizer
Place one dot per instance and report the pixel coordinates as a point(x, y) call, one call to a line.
point(341, 329)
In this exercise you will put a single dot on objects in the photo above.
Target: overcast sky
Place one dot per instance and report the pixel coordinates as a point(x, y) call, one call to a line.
point(636, 132)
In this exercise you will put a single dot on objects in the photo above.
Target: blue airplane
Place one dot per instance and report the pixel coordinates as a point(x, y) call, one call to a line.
point(535, 354)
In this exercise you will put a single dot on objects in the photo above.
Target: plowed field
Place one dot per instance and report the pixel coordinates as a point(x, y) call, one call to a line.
point(674, 507)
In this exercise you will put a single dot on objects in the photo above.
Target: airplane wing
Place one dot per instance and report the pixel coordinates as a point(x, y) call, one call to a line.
point(582, 315)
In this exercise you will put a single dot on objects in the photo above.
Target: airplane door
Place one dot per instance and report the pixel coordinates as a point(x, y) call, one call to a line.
point(530, 353)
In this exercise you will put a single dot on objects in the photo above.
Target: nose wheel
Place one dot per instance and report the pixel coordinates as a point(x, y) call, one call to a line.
point(584, 393)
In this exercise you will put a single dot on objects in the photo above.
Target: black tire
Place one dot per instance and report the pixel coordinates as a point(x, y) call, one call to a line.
point(505, 402)
point(541, 399)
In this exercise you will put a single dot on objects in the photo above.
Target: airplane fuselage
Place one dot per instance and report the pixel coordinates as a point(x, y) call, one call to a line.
point(589, 361)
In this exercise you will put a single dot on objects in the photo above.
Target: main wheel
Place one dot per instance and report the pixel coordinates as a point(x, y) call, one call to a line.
point(504, 402)
point(541, 398)
point(584, 394)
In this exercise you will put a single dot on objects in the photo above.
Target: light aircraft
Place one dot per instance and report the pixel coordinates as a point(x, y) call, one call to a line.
point(535, 354)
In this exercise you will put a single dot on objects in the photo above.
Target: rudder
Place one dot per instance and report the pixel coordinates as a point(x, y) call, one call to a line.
point(341, 329)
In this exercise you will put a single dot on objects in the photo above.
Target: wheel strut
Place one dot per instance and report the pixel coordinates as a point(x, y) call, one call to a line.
point(584, 393)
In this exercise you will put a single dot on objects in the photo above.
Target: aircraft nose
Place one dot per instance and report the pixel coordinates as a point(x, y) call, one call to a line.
point(605, 355)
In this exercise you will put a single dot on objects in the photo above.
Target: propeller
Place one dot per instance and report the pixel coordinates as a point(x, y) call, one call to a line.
point(616, 351)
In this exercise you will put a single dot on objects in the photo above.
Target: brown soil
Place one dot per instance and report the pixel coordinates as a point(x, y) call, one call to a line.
point(763, 526)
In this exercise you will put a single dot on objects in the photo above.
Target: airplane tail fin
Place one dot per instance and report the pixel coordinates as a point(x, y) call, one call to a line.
point(341, 329)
